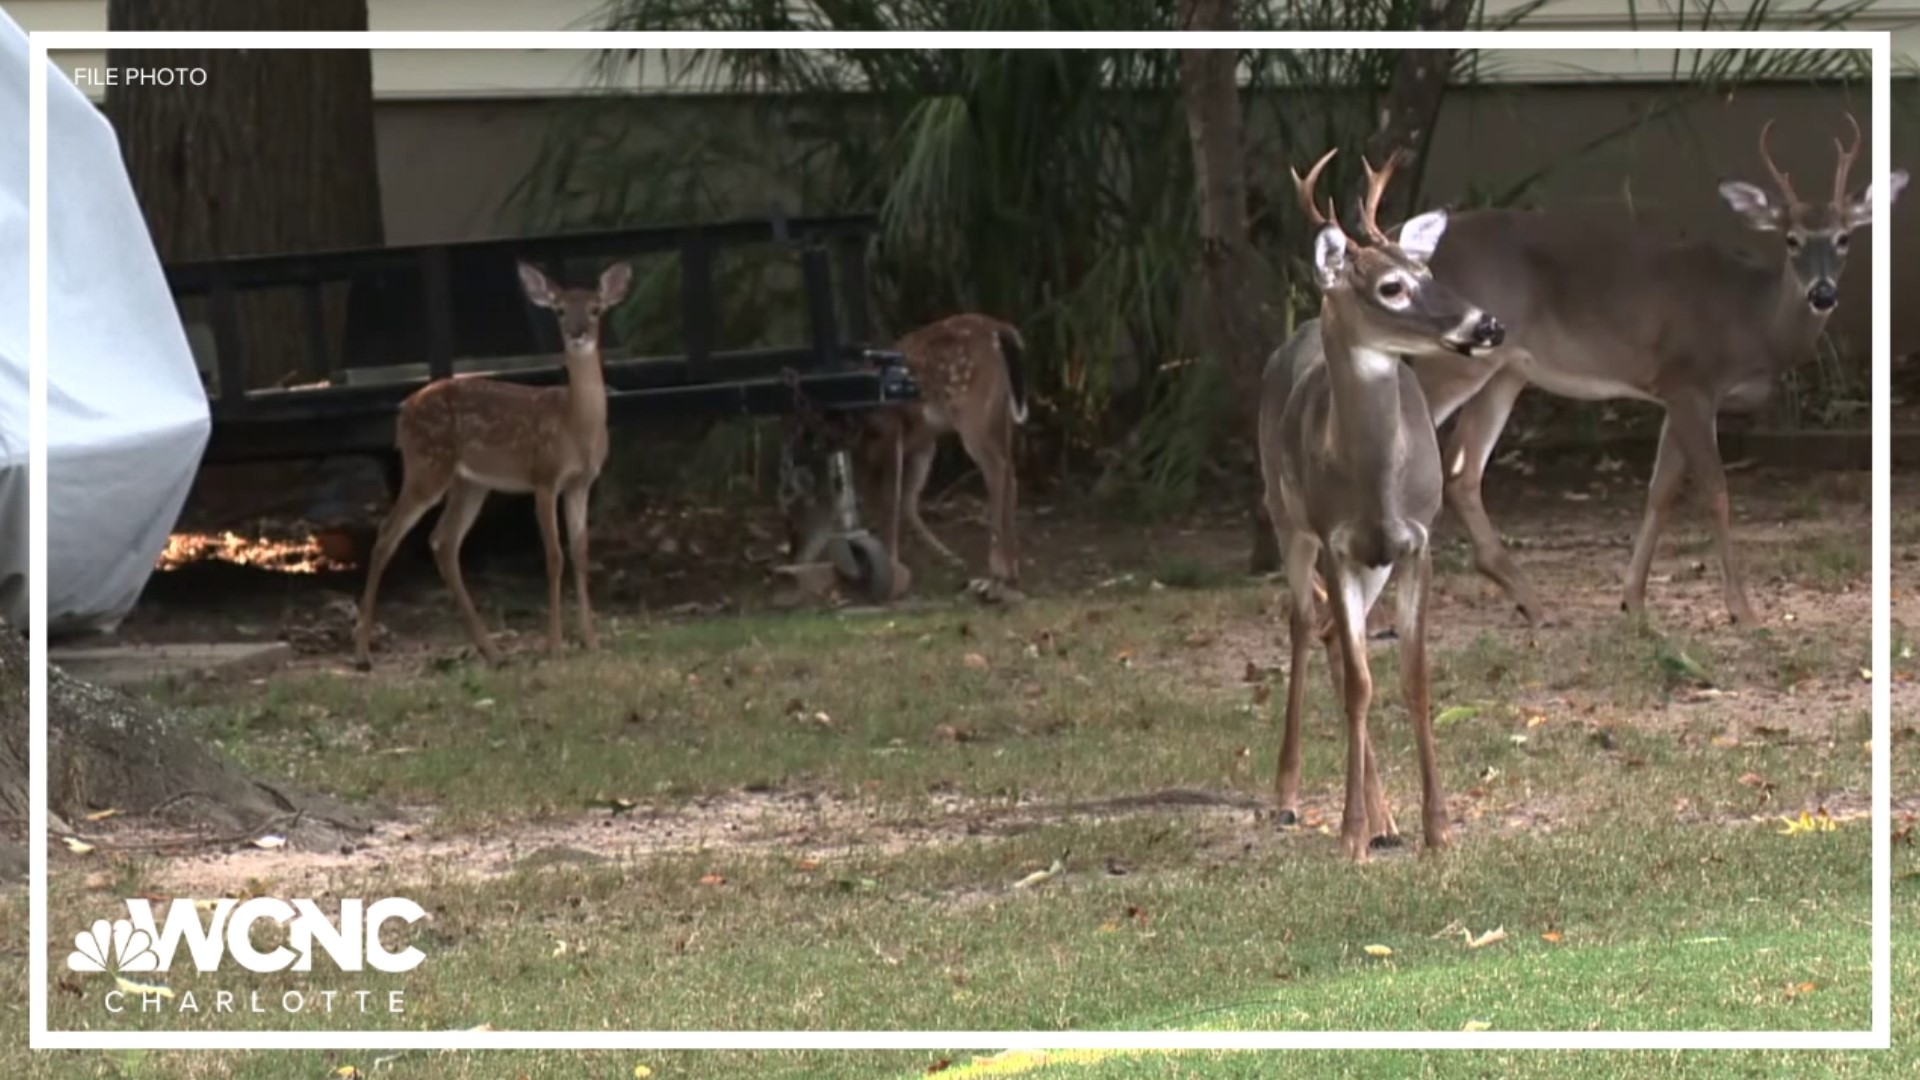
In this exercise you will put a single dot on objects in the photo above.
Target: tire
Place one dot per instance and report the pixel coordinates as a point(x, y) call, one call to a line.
point(862, 560)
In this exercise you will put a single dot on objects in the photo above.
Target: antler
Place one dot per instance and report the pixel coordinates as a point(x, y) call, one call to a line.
point(1304, 188)
point(1780, 178)
point(1376, 188)
point(1847, 156)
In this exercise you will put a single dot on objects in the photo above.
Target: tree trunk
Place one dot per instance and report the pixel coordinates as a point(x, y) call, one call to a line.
point(1413, 104)
point(1236, 325)
point(107, 750)
point(273, 153)
point(13, 755)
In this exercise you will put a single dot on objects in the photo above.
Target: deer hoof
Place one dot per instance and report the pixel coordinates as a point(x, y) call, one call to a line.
point(1386, 842)
point(1286, 819)
point(363, 663)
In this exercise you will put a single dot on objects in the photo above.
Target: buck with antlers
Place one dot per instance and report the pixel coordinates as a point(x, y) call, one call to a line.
point(1352, 472)
point(462, 438)
point(972, 383)
point(1632, 314)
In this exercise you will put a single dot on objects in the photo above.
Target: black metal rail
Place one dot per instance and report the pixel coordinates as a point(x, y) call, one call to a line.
point(404, 306)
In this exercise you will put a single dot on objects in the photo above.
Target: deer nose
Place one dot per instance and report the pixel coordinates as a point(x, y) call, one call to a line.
point(1488, 333)
point(1824, 295)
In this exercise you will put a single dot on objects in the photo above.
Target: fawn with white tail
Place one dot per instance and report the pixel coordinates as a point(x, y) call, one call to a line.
point(971, 381)
point(1352, 472)
point(462, 438)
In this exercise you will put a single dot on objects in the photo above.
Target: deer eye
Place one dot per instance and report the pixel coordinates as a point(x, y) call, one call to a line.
point(1391, 289)
point(1840, 242)
point(1793, 242)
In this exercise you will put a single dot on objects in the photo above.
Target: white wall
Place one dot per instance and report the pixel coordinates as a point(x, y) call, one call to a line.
point(463, 74)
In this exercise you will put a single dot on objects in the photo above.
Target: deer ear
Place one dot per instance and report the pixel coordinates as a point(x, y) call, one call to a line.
point(538, 289)
point(1330, 256)
point(613, 283)
point(1420, 238)
point(1860, 211)
point(1751, 203)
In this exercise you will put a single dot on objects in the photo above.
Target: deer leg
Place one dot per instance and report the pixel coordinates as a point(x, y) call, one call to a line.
point(1353, 590)
point(1381, 830)
point(1416, 587)
point(1469, 445)
point(1669, 470)
point(919, 467)
point(1694, 424)
point(576, 505)
point(1009, 500)
point(464, 500)
point(988, 449)
point(414, 500)
point(546, 508)
point(896, 483)
point(1301, 550)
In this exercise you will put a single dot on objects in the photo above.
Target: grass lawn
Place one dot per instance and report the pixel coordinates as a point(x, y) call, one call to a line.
point(821, 820)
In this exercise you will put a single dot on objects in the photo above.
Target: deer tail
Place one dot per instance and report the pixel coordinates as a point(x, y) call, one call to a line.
point(1014, 351)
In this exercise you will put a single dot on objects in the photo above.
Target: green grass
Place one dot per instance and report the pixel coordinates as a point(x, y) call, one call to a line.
point(1673, 910)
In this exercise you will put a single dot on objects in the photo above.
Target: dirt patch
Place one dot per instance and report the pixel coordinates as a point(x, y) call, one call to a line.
point(803, 825)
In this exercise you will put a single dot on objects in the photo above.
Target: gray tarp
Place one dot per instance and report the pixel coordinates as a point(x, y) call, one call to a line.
point(126, 414)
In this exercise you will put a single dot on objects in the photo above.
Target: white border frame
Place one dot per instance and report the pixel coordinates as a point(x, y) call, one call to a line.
point(1877, 1038)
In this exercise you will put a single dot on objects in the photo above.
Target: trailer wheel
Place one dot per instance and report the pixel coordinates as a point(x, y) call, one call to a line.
point(862, 560)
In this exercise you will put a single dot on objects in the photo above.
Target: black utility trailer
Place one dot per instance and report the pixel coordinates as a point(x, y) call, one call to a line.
point(457, 306)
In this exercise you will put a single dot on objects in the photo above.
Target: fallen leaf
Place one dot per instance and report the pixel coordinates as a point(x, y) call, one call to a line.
point(641, 1072)
point(1535, 721)
point(99, 880)
point(1497, 934)
point(1378, 952)
point(559, 948)
point(940, 1066)
point(144, 989)
point(348, 1072)
point(1453, 714)
point(1041, 876)
point(1517, 740)
point(807, 864)
point(1755, 780)
point(713, 879)
point(975, 661)
point(1704, 941)
point(78, 847)
point(102, 815)
point(270, 842)
point(484, 703)
point(1866, 674)
point(1476, 1025)
point(1551, 937)
point(1808, 823)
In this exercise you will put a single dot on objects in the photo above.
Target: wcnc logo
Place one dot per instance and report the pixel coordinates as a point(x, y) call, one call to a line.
point(139, 945)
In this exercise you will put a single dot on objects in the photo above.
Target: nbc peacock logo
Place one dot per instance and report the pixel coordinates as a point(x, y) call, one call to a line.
point(118, 947)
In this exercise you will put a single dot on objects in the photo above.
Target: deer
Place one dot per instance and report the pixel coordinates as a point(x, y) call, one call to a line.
point(464, 437)
point(970, 372)
point(1351, 469)
point(1600, 315)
